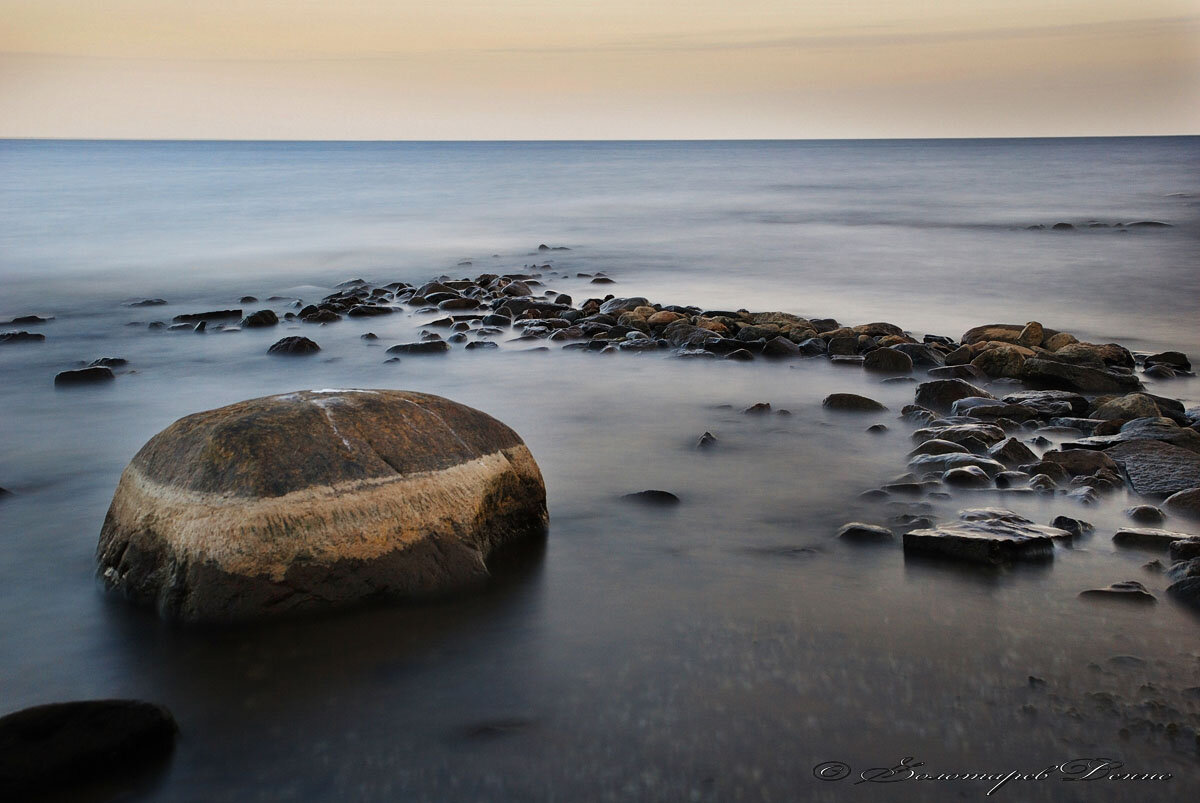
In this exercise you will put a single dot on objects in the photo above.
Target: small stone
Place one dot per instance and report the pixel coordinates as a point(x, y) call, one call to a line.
point(877, 429)
point(851, 402)
point(967, 477)
point(864, 533)
point(758, 409)
point(1127, 591)
point(421, 348)
point(1076, 527)
point(294, 346)
point(653, 497)
point(84, 376)
point(706, 441)
point(1145, 514)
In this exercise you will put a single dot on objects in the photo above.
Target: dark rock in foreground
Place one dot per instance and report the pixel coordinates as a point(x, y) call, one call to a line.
point(1155, 468)
point(1184, 503)
point(55, 751)
point(96, 374)
point(294, 346)
point(317, 500)
point(986, 535)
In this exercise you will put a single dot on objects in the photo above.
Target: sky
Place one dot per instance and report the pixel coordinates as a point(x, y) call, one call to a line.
point(617, 69)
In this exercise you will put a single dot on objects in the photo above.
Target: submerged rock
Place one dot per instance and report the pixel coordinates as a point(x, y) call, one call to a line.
point(95, 374)
point(1147, 537)
point(1127, 591)
point(294, 346)
point(317, 499)
point(55, 751)
point(852, 402)
point(22, 337)
point(986, 535)
point(863, 533)
point(653, 497)
point(423, 347)
point(940, 394)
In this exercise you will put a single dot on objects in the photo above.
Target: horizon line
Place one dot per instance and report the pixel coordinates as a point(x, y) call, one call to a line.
point(586, 141)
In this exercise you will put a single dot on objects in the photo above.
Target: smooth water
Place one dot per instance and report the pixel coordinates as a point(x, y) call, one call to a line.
point(717, 651)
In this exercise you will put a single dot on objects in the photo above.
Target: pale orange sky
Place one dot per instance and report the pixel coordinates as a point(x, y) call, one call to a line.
point(563, 69)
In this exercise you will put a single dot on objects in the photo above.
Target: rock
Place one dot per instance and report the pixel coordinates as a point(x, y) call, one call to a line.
point(706, 441)
point(264, 317)
point(1065, 376)
point(215, 315)
point(481, 344)
point(941, 463)
point(852, 402)
point(423, 347)
point(780, 347)
point(1155, 468)
point(1011, 452)
point(56, 751)
point(940, 394)
point(939, 446)
point(1172, 359)
point(888, 360)
point(997, 332)
point(653, 497)
point(1058, 341)
point(1184, 503)
point(1031, 335)
point(1147, 537)
point(1185, 548)
point(983, 435)
point(368, 336)
point(864, 533)
point(967, 371)
point(109, 362)
point(1186, 591)
point(313, 500)
point(1160, 372)
point(25, 320)
point(375, 310)
point(1096, 355)
point(922, 356)
point(1002, 361)
point(147, 302)
point(1062, 227)
point(1127, 591)
point(877, 429)
point(986, 535)
point(615, 306)
point(1043, 483)
point(21, 337)
point(1130, 406)
point(758, 409)
point(1145, 514)
point(294, 346)
point(1076, 527)
point(1011, 479)
point(84, 376)
point(740, 355)
point(1049, 401)
point(1080, 461)
point(967, 477)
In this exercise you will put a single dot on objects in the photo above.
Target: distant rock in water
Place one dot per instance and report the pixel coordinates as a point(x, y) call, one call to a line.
point(22, 337)
point(294, 346)
point(852, 403)
point(214, 315)
point(147, 302)
point(653, 497)
point(25, 320)
point(262, 318)
point(1127, 591)
point(57, 751)
point(95, 374)
point(317, 499)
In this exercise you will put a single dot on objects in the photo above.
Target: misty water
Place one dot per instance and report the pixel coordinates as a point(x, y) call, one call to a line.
point(718, 650)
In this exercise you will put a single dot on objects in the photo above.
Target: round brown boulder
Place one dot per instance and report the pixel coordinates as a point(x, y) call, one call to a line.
point(317, 499)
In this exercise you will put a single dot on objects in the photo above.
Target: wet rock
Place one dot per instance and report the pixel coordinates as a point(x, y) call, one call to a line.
point(1155, 468)
point(1048, 401)
point(109, 362)
point(1186, 591)
point(965, 434)
point(758, 409)
point(21, 337)
point(294, 346)
point(1184, 503)
point(91, 375)
point(877, 429)
point(864, 533)
point(922, 356)
point(1161, 372)
point(1066, 376)
point(851, 402)
point(147, 302)
point(214, 315)
point(1002, 361)
point(941, 463)
point(1031, 335)
point(423, 348)
point(1185, 548)
point(1172, 359)
point(264, 317)
point(1147, 537)
point(1128, 407)
point(940, 394)
point(26, 320)
point(706, 441)
point(938, 446)
point(986, 535)
point(888, 360)
point(1145, 514)
point(1127, 591)
point(375, 310)
point(740, 355)
point(780, 347)
point(1076, 527)
point(653, 497)
point(1042, 483)
point(1080, 461)
point(62, 751)
point(1011, 452)
point(368, 336)
point(967, 477)
point(615, 306)
point(475, 345)
point(327, 499)
point(966, 372)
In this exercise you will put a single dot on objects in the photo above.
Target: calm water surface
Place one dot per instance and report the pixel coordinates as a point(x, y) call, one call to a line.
point(717, 651)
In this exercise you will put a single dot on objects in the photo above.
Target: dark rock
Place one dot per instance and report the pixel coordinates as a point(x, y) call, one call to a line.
point(1186, 591)
point(1127, 591)
point(1184, 503)
point(922, 356)
point(368, 336)
point(481, 344)
point(147, 302)
point(58, 751)
point(886, 360)
point(851, 402)
point(939, 446)
point(215, 315)
point(1062, 227)
point(1147, 537)
point(986, 535)
point(25, 320)
point(1155, 468)
point(740, 355)
point(294, 346)
point(110, 362)
point(706, 441)
point(653, 497)
point(864, 533)
point(1145, 514)
point(941, 463)
point(965, 372)
point(1048, 400)
point(1076, 527)
point(985, 434)
point(1011, 452)
point(877, 429)
point(615, 306)
point(425, 347)
point(84, 376)
point(321, 316)
point(940, 394)
point(967, 477)
point(1054, 374)
point(780, 347)
point(1172, 359)
point(758, 409)
point(1080, 461)
point(21, 337)
point(264, 317)
point(1185, 548)
point(372, 310)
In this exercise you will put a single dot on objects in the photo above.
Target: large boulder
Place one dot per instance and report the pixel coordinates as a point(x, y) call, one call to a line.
point(1066, 376)
point(317, 499)
point(1155, 468)
point(1129, 406)
point(1184, 503)
point(987, 535)
point(940, 394)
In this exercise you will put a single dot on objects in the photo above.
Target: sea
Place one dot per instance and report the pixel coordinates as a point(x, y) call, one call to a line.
point(724, 649)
